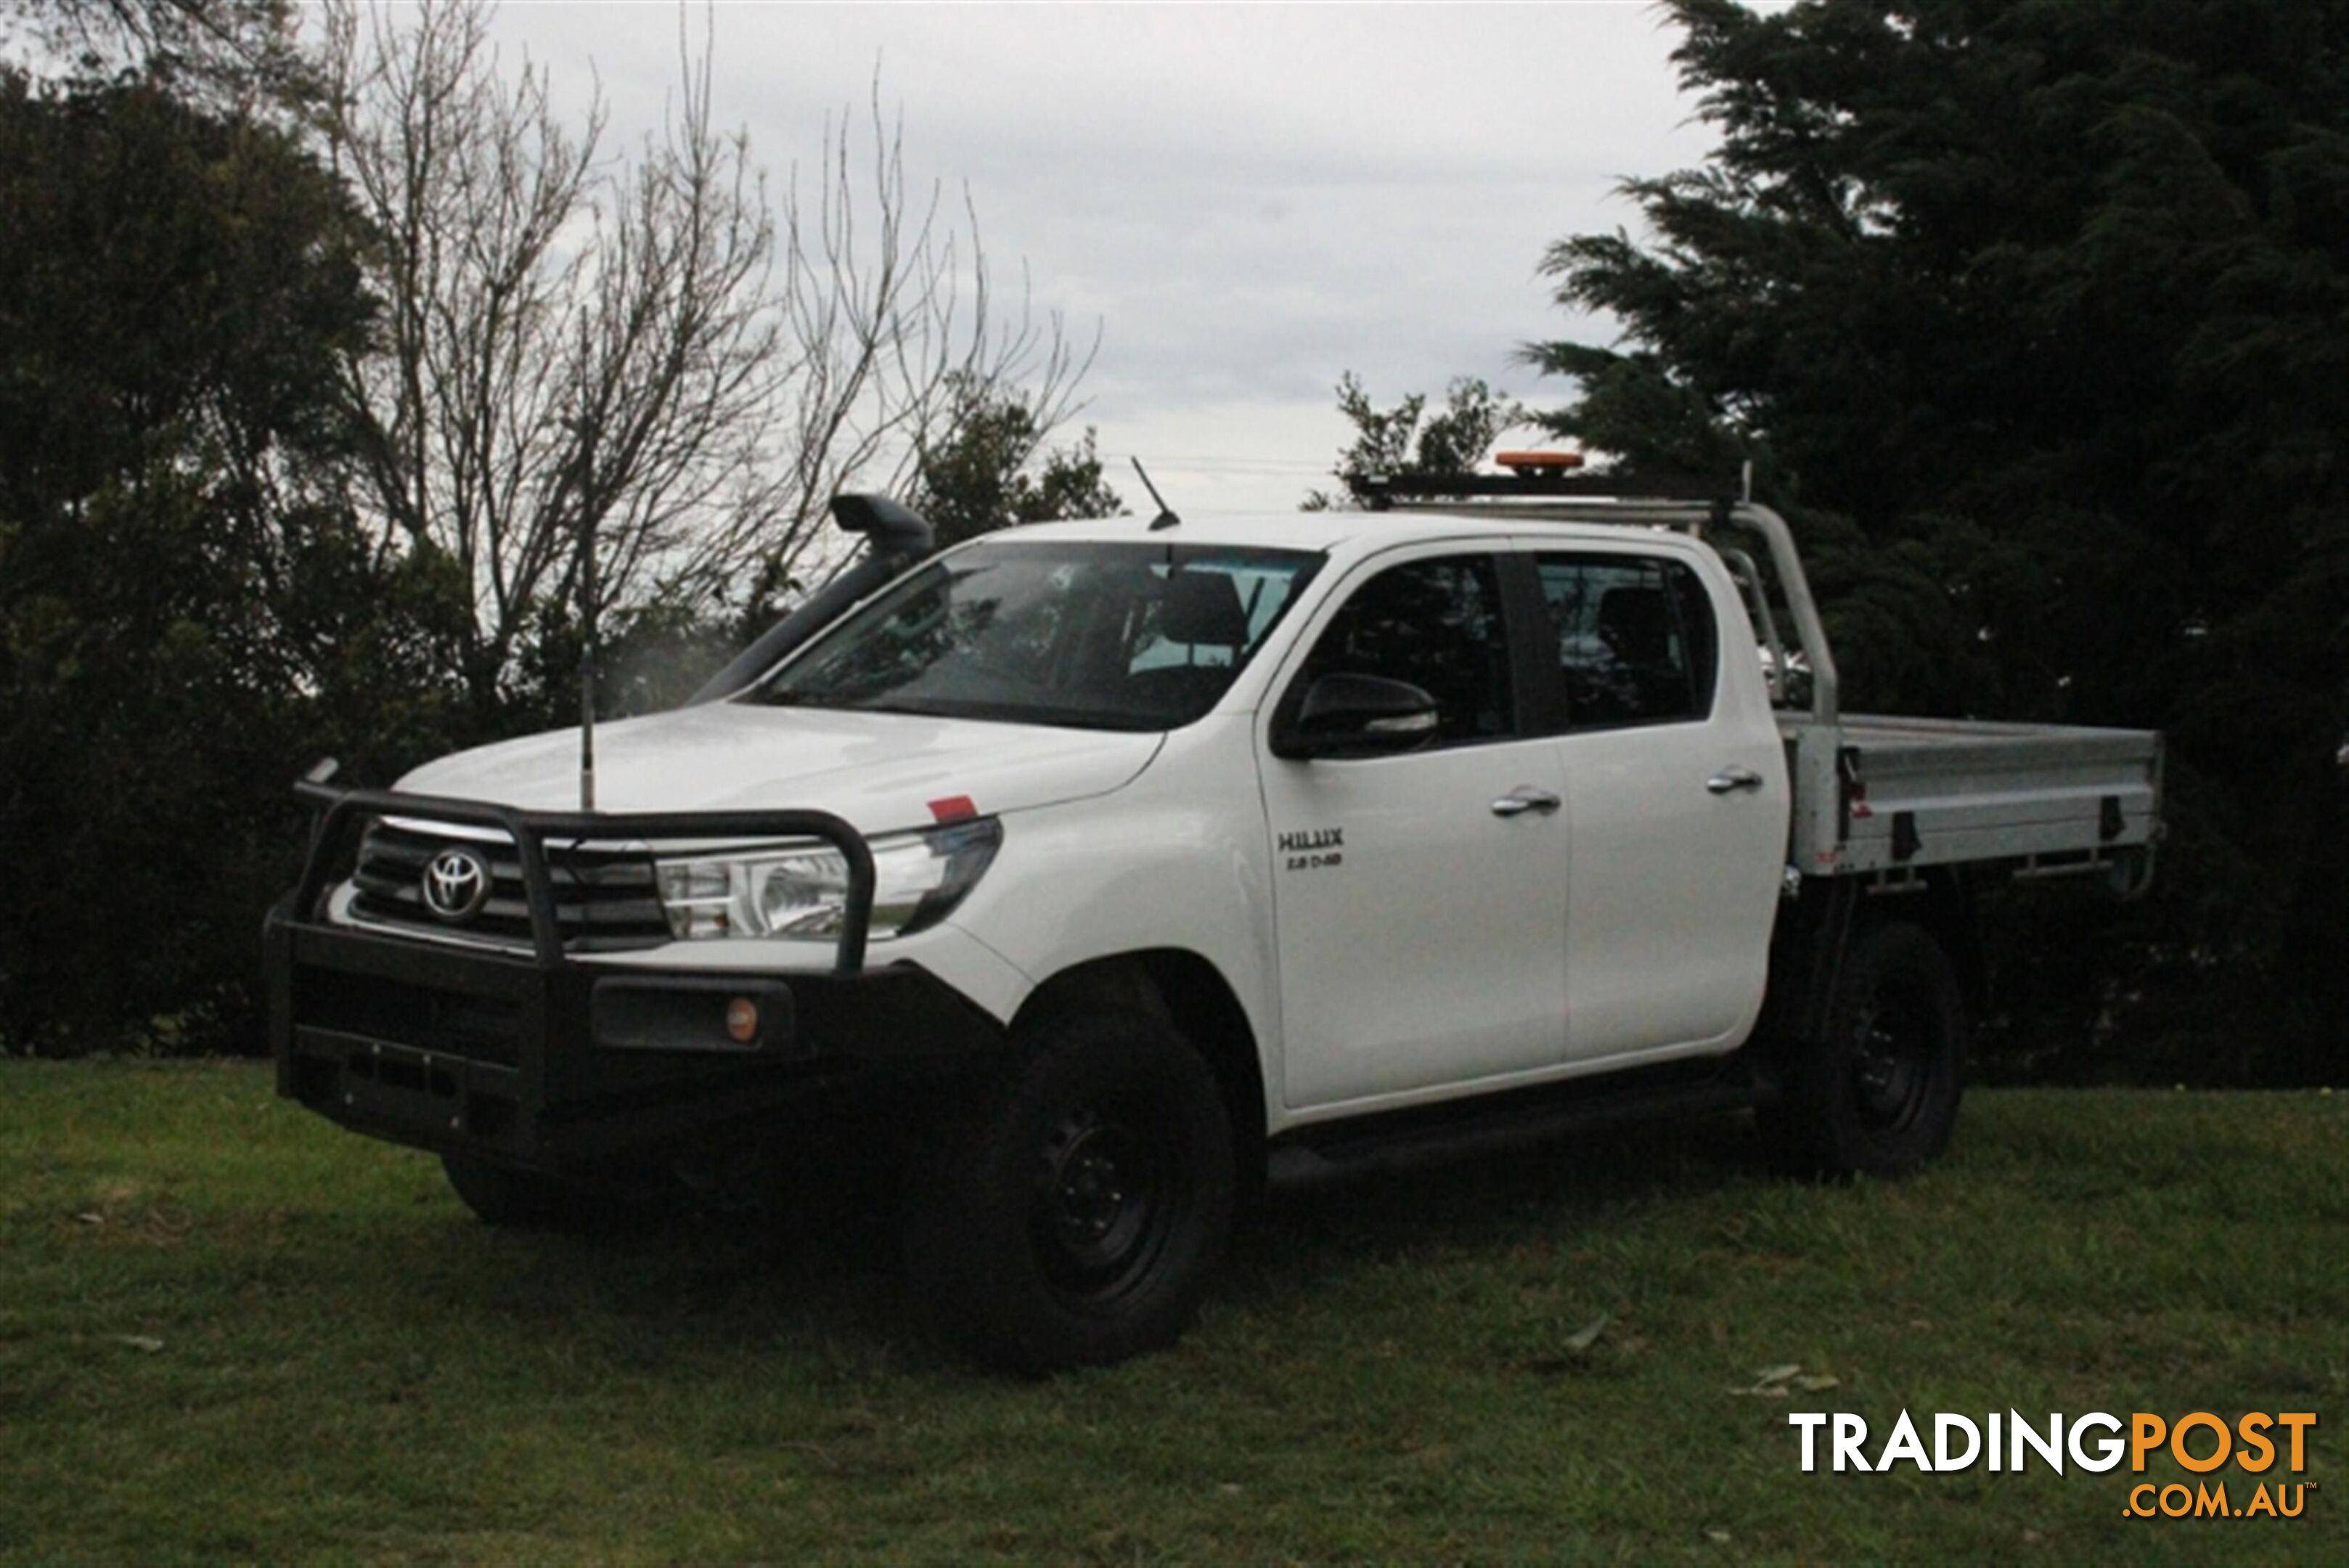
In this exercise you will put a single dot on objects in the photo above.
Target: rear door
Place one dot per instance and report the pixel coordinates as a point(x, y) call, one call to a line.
point(1676, 795)
point(1419, 900)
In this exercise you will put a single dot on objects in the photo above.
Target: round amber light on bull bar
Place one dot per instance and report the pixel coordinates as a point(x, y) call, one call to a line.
point(742, 1018)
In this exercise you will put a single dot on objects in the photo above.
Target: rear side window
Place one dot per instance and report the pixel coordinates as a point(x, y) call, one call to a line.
point(1637, 643)
point(1437, 625)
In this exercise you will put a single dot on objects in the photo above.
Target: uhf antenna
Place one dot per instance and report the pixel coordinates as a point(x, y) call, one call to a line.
point(1166, 518)
point(583, 491)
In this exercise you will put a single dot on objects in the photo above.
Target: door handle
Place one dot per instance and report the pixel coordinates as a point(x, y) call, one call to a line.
point(1524, 798)
point(1733, 777)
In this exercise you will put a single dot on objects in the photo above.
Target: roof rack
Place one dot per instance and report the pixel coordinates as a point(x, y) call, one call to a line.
point(1381, 491)
point(1548, 493)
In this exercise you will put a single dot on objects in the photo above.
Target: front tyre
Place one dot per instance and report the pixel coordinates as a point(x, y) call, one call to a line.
point(1876, 1095)
point(1072, 1217)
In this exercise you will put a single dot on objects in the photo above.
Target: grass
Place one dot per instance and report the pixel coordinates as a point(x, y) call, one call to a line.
point(230, 1332)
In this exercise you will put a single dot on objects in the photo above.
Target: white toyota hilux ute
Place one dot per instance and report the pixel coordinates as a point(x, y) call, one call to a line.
point(1119, 867)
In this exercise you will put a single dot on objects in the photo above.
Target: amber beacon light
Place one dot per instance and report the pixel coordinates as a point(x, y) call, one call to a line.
point(1527, 463)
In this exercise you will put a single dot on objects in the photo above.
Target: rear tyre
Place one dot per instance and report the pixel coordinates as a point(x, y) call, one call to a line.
point(1877, 1094)
point(1073, 1217)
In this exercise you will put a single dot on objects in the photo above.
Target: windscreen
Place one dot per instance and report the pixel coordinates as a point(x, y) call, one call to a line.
point(1098, 636)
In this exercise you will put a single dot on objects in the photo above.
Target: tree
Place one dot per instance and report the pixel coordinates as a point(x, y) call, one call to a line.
point(181, 598)
point(228, 54)
point(649, 351)
point(1454, 440)
point(2039, 316)
point(984, 472)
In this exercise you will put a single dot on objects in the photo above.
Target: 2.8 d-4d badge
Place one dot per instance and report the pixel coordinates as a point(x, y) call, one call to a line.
point(456, 885)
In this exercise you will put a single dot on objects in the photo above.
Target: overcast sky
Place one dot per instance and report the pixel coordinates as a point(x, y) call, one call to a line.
point(1249, 200)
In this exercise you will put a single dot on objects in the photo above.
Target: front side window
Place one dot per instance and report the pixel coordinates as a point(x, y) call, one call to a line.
point(1091, 635)
point(1636, 638)
point(1436, 624)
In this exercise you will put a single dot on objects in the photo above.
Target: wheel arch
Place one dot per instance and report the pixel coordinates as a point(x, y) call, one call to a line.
point(1813, 941)
point(1188, 991)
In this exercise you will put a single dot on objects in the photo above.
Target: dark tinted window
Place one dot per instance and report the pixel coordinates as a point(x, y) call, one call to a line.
point(1091, 634)
point(1636, 638)
point(1436, 624)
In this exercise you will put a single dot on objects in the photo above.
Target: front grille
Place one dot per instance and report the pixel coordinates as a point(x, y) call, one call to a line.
point(604, 898)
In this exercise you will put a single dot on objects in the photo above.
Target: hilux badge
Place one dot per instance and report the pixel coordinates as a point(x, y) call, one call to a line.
point(1311, 848)
point(456, 884)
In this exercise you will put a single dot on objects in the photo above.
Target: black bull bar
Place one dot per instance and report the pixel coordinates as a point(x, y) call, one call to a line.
point(537, 1059)
point(338, 810)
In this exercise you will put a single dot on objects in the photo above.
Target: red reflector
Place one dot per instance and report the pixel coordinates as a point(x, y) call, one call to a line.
point(742, 1018)
point(953, 809)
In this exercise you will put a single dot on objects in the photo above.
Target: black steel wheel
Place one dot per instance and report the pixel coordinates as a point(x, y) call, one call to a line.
point(1894, 1044)
point(1877, 1094)
point(1110, 1194)
point(1072, 1216)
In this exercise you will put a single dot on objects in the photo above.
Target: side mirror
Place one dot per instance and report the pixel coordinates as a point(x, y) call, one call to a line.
point(1356, 716)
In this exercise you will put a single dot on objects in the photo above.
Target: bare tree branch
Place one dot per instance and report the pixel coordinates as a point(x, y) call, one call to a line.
point(730, 360)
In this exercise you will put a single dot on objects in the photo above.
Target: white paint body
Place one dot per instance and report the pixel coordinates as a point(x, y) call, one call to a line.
point(1452, 951)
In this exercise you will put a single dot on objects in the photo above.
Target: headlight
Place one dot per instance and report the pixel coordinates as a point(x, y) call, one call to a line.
point(918, 878)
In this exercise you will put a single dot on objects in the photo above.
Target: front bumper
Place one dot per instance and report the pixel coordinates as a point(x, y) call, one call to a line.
point(570, 1066)
point(543, 1060)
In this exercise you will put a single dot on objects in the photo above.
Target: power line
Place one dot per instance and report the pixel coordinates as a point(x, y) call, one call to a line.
point(1247, 464)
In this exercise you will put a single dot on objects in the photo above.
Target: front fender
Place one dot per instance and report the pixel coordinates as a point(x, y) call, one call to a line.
point(1176, 860)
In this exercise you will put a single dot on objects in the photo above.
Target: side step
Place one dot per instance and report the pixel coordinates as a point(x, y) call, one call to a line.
point(1403, 1140)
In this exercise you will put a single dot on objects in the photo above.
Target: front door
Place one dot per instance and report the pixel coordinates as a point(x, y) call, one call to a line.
point(1420, 899)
